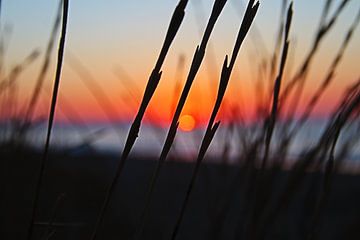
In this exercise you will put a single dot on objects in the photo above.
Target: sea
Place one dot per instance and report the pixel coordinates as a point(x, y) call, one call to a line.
point(109, 138)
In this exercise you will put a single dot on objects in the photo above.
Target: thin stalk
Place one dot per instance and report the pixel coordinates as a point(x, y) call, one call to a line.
point(151, 86)
point(51, 116)
point(210, 58)
point(212, 126)
point(301, 75)
point(133, 92)
point(338, 125)
point(257, 38)
point(44, 69)
point(349, 104)
point(8, 81)
point(279, 40)
point(195, 65)
point(329, 168)
point(8, 87)
point(258, 195)
point(277, 86)
point(329, 76)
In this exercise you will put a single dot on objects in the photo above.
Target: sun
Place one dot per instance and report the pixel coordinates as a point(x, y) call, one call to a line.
point(187, 123)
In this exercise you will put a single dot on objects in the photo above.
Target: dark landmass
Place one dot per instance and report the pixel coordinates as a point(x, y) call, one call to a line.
point(215, 212)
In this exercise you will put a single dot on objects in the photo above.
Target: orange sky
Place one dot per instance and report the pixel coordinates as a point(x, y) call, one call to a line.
point(106, 40)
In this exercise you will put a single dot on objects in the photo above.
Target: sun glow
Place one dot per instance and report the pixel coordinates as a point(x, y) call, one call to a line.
point(187, 123)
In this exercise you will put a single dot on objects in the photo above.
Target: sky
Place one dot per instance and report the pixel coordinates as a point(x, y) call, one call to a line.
point(118, 43)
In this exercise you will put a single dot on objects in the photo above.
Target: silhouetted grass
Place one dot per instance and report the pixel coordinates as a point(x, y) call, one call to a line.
point(344, 114)
point(134, 95)
point(210, 58)
point(8, 92)
point(51, 116)
point(153, 81)
point(259, 198)
point(212, 126)
point(277, 85)
point(8, 81)
point(257, 38)
point(300, 77)
point(44, 69)
point(325, 146)
point(10, 107)
point(279, 40)
point(263, 153)
point(329, 76)
point(195, 65)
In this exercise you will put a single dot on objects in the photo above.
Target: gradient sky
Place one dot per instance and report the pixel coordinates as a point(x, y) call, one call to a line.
point(127, 34)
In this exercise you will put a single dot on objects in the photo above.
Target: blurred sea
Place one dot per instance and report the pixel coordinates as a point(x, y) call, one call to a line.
point(110, 138)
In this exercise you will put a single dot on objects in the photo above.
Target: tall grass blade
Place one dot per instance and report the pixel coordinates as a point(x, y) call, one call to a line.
point(195, 65)
point(51, 116)
point(277, 86)
point(210, 58)
point(329, 76)
point(8, 89)
point(44, 69)
point(257, 196)
point(151, 86)
point(212, 126)
point(301, 75)
point(134, 94)
point(8, 81)
point(347, 107)
point(279, 40)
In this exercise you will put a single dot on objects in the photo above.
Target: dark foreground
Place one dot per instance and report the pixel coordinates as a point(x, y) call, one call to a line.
point(214, 211)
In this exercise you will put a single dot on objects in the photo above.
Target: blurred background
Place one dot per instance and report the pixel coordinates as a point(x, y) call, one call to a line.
point(111, 48)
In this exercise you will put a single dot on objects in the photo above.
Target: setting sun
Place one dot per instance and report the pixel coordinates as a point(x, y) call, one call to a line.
point(187, 123)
